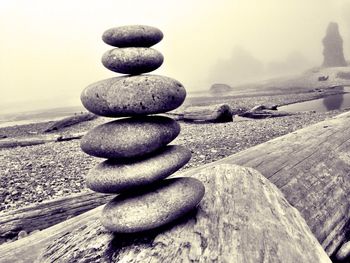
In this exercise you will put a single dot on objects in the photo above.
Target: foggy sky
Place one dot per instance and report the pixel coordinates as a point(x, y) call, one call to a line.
point(51, 50)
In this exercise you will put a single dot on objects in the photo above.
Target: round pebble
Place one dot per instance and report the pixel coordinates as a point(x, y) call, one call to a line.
point(22, 234)
point(132, 36)
point(114, 177)
point(132, 60)
point(133, 96)
point(130, 137)
point(153, 207)
point(343, 254)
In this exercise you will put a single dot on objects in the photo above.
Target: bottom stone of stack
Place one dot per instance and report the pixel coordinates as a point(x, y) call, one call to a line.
point(152, 207)
point(113, 176)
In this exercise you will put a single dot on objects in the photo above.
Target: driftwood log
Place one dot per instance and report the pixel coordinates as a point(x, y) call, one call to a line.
point(242, 218)
point(46, 214)
point(69, 121)
point(22, 142)
point(264, 107)
point(211, 113)
point(262, 114)
point(310, 166)
point(40, 139)
point(27, 250)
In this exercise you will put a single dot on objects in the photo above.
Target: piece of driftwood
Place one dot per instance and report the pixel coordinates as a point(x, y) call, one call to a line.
point(177, 116)
point(71, 120)
point(242, 218)
point(311, 167)
point(69, 137)
point(26, 250)
point(39, 139)
point(264, 107)
point(46, 214)
point(262, 114)
point(212, 113)
point(22, 142)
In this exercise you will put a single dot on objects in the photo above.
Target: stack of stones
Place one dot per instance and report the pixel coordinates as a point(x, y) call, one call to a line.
point(138, 157)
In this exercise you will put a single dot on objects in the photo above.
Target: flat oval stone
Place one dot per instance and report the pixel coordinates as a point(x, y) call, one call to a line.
point(153, 207)
point(133, 96)
point(130, 137)
point(132, 60)
point(132, 36)
point(111, 176)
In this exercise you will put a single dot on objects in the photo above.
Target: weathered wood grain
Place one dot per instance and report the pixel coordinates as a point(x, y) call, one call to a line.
point(242, 218)
point(46, 214)
point(26, 250)
point(312, 169)
point(214, 113)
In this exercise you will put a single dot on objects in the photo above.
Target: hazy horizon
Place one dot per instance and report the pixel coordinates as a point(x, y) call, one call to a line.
point(50, 51)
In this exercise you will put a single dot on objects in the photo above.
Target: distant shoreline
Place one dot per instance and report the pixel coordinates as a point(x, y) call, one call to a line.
point(49, 115)
point(4, 124)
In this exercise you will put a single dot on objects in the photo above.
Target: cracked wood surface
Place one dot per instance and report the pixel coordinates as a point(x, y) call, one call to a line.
point(311, 167)
point(46, 214)
point(242, 218)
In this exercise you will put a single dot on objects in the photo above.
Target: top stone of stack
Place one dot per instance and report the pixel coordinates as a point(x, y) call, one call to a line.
point(132, 36)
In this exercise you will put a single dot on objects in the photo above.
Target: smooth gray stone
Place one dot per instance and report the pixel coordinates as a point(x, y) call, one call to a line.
point(153, 207)
point(114, 177)
point(343, 254)
point(130, 137)
point(133, 96)
point(132, 36)
point(132, 60)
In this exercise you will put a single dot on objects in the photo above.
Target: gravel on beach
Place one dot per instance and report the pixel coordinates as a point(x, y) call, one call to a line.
point(36, 173)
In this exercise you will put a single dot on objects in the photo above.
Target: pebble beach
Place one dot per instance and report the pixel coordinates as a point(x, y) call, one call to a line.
point(33, 174)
